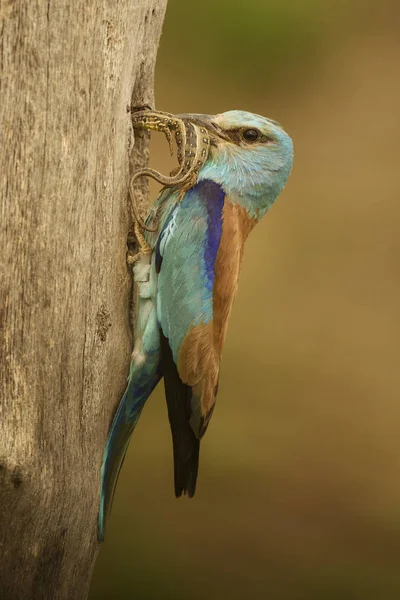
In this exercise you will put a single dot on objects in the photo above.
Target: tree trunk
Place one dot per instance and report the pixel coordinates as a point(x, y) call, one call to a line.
point(68, 71)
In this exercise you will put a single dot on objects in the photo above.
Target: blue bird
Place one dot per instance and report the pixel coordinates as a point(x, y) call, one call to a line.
point(186, 286)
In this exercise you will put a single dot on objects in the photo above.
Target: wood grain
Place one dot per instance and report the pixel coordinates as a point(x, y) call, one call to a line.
point(68, 70)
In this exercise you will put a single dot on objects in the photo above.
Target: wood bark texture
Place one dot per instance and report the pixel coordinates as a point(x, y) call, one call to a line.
point(68, 71)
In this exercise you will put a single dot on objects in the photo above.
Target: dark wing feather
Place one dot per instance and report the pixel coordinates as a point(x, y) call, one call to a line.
point(185, 444)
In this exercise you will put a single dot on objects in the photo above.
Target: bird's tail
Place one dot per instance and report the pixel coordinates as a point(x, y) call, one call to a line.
point(140, 386)
point(145, 373)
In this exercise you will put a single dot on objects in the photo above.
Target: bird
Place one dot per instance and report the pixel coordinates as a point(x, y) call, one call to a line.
point(186, 285)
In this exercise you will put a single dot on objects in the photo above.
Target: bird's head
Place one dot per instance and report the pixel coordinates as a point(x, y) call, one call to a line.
point(250, 156)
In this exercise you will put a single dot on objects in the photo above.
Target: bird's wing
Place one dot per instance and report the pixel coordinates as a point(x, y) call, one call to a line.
point(185, 258)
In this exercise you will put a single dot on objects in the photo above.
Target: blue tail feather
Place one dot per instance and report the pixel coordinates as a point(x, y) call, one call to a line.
point(145, 373)
point(141, 384)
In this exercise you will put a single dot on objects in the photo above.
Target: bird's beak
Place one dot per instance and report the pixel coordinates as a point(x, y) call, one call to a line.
point(215, 132)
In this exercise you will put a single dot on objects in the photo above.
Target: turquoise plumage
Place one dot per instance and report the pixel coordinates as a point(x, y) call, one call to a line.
point(186, 286)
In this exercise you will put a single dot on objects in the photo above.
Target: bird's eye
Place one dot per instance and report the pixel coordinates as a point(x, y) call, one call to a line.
point(250, 135)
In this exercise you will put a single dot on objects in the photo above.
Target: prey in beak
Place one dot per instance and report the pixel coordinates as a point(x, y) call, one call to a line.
point(215, 132)
point(192, 136)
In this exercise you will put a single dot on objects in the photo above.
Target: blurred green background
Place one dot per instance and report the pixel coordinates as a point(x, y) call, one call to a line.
point(299, 488)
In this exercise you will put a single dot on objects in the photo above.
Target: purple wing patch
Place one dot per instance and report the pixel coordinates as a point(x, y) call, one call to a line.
point(213, 197)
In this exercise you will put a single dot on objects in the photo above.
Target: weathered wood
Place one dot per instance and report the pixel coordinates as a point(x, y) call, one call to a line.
point(68, 70)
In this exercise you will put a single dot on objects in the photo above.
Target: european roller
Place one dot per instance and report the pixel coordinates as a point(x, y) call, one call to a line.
point(186, 283)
